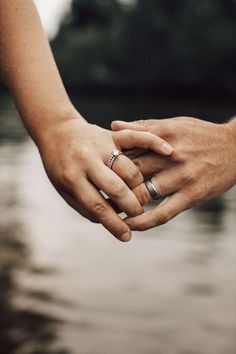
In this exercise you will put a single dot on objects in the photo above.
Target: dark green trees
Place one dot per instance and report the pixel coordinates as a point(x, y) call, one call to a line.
point(154, 44)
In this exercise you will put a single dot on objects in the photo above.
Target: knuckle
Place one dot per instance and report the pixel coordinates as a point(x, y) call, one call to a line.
point(186, 177)
point(193, 195)
point(83, 153)
point(180, 120)
point(68, 177)
point(118, 190)
point(189, 194)
point(190, 175)
point(132, 174)
point(199, 194)
point(178, 155)
point(164, 217)
point(144, 122)
point(99, 209)
point(174, 126)
point(137, 210)
point(131, 136)
point(169, 128)
point(148, 124)
point(142, 194)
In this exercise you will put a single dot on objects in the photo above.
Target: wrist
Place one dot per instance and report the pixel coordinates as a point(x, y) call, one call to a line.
point(45, 132)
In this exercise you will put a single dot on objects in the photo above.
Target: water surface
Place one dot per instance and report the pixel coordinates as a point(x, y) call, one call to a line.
point(67, 286)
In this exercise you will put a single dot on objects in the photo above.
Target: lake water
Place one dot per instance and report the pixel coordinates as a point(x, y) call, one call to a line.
point(68, 287)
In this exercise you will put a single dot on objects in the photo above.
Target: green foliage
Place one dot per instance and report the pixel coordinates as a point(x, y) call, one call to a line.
point(152, 44)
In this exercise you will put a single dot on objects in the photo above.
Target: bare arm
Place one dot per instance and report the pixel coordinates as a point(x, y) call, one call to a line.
point(29, 69)
point(73, 151)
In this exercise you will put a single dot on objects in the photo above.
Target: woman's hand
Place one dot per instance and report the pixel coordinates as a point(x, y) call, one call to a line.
point(74, 153)
point(203, 166)
point(75, 156)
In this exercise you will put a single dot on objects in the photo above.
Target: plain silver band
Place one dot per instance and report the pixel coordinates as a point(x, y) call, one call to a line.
point(152, 189)
point(112, 158)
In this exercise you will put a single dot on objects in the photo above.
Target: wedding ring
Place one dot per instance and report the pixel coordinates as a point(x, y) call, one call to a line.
point(113, 157)
point(152, 189)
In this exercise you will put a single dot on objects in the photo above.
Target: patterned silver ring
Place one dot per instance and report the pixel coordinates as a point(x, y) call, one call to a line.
point(113, 157)
point(152, 189)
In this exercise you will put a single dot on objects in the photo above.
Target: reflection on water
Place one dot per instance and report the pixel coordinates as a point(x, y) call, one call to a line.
point(24, 328)
point(65, 283)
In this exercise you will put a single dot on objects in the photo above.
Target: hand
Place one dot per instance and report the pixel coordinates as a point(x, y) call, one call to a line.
point(203, 166)
point(75, 155)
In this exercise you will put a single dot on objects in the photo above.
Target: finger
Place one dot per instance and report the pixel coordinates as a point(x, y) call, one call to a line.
point(140, 125)
point(129, 139)
point(115, 188)
point(121, 125)
point(136, 152)
point(167, 210)
point(70, 200)
point(151, 163)
point(166, 182)
point(91, 200)
point(127, 171)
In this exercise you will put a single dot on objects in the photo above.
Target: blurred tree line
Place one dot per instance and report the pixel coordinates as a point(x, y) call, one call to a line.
point(169, 46)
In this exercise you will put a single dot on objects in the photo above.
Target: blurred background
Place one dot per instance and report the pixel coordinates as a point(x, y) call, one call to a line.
point(66, 286)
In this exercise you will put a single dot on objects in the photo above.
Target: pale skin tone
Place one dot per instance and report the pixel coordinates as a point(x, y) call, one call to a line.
point(202, 166)
point(74, 152)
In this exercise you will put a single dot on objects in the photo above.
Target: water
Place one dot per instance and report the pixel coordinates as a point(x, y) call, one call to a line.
point(67, 286)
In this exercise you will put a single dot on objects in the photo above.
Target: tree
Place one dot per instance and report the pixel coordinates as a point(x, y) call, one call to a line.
point(157, 44)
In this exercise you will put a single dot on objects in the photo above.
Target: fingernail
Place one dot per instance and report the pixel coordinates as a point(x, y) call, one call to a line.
point(126, 237)
point(167, 148)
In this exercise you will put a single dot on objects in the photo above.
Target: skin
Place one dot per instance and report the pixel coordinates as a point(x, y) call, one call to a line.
point(203, 166)
point(74, 152)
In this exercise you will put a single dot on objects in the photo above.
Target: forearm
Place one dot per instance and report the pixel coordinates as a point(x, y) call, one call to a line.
point(29, 70)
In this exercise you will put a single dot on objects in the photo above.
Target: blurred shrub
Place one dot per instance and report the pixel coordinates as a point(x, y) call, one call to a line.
point(155, 44)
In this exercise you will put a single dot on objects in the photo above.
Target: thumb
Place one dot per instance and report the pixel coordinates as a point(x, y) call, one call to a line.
point(136, 125)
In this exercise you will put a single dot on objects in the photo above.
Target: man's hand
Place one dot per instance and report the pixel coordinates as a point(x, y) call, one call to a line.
point(75, 156)
point(202, 166)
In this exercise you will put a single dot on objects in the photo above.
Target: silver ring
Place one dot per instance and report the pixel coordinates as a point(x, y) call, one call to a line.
point(113, 157)
point(152, 189)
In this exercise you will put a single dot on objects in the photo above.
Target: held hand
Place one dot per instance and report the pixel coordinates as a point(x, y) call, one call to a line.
point(75, 156)
point(203, 166)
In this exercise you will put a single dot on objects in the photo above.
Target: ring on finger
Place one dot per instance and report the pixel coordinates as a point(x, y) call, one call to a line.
point(113, 156)
point(152, 189)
